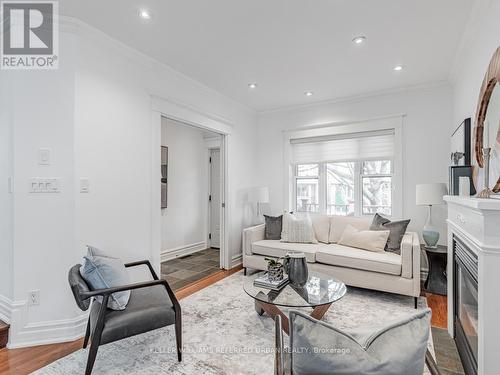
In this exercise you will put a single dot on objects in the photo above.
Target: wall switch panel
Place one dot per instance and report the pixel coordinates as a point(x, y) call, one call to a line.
point(84, 185)
point(44, 156)
point(44, 185)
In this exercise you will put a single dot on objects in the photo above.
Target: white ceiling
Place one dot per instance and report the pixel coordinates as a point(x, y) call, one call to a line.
point(290, 46)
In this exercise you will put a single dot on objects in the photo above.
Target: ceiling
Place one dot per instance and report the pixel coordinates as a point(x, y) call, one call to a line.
point(289, 46)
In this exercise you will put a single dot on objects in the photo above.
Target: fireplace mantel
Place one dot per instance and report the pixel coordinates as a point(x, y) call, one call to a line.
point(476, 222)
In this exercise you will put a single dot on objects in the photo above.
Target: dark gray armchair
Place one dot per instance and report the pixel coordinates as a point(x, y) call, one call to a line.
point(152, 305)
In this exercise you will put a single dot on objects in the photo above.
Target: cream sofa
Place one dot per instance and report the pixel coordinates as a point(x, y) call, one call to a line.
point(388, 272)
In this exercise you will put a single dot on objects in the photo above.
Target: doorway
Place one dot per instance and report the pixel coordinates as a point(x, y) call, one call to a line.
point(214, 201)
point(192, 208)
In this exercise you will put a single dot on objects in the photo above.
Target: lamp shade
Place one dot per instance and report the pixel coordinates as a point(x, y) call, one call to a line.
point(260, 195)
point(430, 194)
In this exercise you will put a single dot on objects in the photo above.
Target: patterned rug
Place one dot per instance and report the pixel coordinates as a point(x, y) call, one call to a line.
point(222, 334)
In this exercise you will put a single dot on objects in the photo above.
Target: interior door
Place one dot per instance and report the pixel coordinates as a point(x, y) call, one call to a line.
point(215, 203)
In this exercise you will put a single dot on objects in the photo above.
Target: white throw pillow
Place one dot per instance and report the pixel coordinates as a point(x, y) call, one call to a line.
point(372, 240)
point(297, 229)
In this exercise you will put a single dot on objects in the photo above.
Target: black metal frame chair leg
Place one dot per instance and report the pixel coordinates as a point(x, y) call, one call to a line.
point(96, 335)
point(178, 334)
point(244, 271)
point(87, 334)
point(416, 301)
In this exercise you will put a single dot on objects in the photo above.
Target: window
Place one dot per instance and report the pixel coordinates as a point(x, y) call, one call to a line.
point(349, 188)
point(307, 188)
point(346, 169)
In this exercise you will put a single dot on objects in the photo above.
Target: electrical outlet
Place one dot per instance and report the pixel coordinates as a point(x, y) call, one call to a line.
point(34, 298)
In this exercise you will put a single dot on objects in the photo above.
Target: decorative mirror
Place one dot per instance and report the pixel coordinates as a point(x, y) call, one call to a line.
point(487, 132)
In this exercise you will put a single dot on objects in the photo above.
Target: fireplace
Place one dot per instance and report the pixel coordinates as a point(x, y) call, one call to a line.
point(465, 289)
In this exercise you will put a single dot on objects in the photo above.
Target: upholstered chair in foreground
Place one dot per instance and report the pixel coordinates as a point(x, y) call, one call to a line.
point(319, 348)
point(152, 305)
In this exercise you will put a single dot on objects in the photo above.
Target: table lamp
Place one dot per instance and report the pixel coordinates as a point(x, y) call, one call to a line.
point(260, 195)
point(430, 195)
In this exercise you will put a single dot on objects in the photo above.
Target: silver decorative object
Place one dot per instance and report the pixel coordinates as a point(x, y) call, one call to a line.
point(296, 268)
point(487, 192)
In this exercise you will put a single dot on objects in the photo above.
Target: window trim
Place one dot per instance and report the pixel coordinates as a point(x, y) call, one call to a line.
point(395, 122)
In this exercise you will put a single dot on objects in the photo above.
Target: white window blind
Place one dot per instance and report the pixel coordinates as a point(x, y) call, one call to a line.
point(344, 147)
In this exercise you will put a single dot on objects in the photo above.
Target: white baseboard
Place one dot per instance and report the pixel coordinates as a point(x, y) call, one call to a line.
point(182, 251)
point(49, 332)
point(236, 260)
point(24, 334)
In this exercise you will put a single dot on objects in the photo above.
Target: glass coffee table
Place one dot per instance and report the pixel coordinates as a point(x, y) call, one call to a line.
point(319, 292)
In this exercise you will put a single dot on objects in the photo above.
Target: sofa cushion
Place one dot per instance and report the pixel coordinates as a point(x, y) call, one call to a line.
point(297, 229)
point(397, 231)
point(339, 223)
point(273, 227)
point(344, 256)
point(321, 226)
point(371, 240)
point(273, 248)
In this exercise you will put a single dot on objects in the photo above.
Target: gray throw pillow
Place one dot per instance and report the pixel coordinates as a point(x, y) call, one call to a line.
point(101, 272)
point(273, 227)
point(397, 230)
point(319, 348)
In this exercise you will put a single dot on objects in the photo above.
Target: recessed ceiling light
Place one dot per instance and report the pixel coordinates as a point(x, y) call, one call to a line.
point(145, 14)
point(252, 85)
point(398, 68)
point(359, 39)
point(308, 93)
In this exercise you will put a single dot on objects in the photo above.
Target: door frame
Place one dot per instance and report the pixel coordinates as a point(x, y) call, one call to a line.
point(209, 210)
point(190, 116)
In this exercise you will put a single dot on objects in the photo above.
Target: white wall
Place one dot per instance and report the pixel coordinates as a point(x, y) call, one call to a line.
point(184, 221)
point(481, 41)
point(95, 113)
point(425, 141)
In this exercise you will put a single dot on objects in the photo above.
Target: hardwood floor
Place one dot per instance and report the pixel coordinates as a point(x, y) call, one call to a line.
point(26, 360)
point(439, 307)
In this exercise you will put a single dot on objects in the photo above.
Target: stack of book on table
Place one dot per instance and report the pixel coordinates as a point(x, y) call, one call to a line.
point(264, 282)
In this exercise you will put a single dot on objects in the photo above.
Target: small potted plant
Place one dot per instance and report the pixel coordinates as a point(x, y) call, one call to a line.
point(274, 269)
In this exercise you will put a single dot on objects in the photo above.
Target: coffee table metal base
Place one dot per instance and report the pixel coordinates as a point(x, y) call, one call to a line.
point(273, 311)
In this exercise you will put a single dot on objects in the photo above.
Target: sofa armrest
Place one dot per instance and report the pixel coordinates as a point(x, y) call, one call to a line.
point(410, 254)
point(407, 256)
point(251, 235)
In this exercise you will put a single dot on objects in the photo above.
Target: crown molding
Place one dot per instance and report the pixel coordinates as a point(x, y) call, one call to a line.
point(354, 98)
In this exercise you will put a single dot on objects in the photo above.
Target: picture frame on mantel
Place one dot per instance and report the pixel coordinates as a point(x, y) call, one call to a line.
point(461, 144)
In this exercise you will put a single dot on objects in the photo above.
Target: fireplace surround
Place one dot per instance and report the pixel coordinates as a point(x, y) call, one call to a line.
point(474, 281)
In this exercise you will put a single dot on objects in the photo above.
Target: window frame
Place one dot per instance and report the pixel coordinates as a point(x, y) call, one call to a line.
point(358, 184)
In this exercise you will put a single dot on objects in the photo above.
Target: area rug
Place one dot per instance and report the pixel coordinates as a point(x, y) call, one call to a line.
point(222, 334)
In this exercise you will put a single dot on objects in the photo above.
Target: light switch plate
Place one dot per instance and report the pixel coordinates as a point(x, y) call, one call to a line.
point(44, 156)
point(84, 185)
point(44, 185)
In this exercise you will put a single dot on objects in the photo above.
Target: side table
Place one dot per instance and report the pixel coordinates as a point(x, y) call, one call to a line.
point(436, 282)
